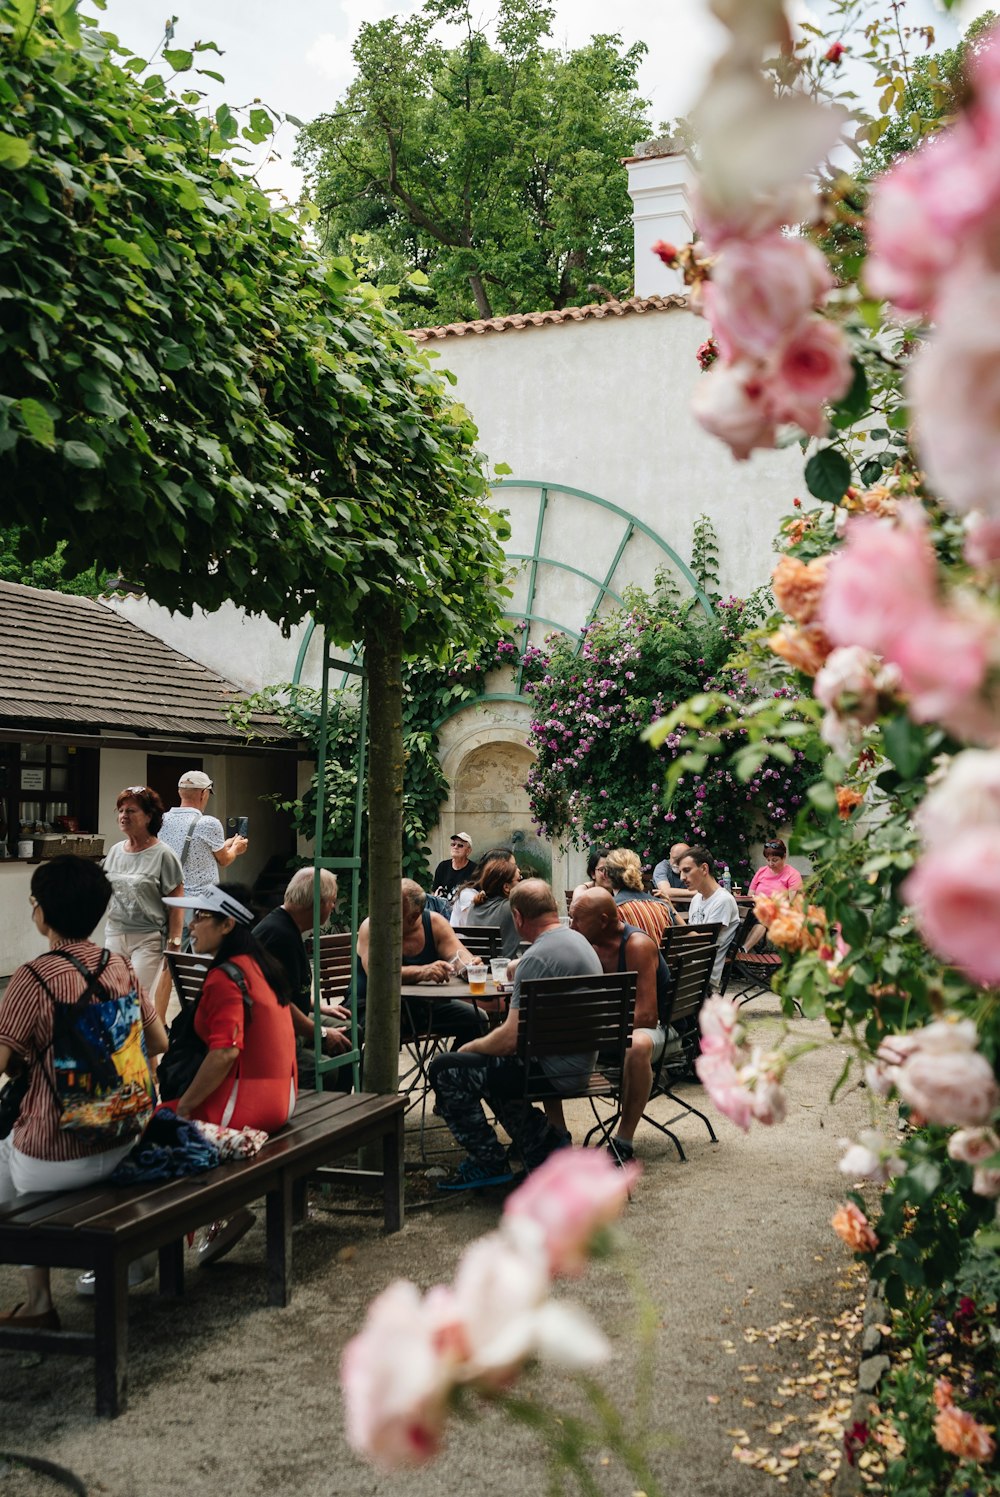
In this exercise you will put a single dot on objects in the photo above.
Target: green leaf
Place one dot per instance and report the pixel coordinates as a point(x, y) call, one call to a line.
point(855, 403)
point(38, 422)
point(828, 475)
point(15, 152)
point(80, 455)
point(179, 60)
point(904, 744)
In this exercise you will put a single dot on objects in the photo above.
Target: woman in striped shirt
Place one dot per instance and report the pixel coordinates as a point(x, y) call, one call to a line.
point(68, 899)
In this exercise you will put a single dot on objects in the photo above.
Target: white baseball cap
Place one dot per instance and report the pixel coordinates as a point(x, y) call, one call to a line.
point(461, 837)
point(194, 779)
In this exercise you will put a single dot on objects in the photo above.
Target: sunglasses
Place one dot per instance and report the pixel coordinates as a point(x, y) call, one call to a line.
point(134, 790)
point(774, 847)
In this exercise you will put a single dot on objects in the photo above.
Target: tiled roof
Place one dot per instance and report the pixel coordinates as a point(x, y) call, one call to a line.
point(518, 320)
point(73, 665)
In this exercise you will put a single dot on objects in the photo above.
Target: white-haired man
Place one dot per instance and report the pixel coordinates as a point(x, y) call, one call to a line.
point(281, 934)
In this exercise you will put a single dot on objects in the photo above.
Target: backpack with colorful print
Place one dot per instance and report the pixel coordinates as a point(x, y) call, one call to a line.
point(103, 1088)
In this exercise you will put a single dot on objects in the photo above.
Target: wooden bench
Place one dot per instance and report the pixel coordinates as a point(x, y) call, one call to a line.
point(107, 1228)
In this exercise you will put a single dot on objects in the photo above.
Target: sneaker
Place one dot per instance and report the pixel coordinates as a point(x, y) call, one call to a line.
point(621, 1151)
point(223, 1235)
point(471, 1175)
point(139, 1272)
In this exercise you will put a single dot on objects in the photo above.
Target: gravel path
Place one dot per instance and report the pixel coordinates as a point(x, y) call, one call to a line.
point(756, 1342)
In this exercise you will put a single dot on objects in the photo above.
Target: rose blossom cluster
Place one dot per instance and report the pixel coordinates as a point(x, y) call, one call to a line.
point(978, 1146)
point(934, 236)
point(939, 1072)
point(744, 1084)
point(955, 1429)
point(758, 284)
point(404, 1371)
point(955, 888)
point(790, 922)
point(882, 595)
point(871, 1158)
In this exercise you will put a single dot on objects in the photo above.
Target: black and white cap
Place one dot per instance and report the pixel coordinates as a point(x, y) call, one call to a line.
point(214, 899)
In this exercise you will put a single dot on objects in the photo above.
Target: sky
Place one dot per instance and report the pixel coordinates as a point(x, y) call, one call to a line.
point(295, 55)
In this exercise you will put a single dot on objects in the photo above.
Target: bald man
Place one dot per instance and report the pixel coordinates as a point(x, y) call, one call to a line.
point(624, 948)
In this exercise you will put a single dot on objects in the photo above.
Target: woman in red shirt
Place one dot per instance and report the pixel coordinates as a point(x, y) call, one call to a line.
point(249, 1077)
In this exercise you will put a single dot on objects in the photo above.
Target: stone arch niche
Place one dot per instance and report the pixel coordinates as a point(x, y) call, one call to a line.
point(486, 758)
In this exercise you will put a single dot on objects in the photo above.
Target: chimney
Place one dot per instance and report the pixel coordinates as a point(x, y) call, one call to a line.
point(660, 175)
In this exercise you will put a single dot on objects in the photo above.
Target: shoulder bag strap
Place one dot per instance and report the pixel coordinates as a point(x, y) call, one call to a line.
point(187, 840)
point(93, 978)
point(235, 974)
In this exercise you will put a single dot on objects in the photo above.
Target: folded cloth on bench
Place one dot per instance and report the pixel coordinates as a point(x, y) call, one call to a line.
point(170, 1147)
point(233, 1143)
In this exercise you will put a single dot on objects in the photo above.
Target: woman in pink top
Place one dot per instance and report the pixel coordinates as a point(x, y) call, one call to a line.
point(776, 876)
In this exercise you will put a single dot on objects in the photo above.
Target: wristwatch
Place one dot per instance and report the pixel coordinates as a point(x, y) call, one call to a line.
point(174, 941)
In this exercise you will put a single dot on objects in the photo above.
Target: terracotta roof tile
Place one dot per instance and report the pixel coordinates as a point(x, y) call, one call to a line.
point(517, 320)
point(74, 665)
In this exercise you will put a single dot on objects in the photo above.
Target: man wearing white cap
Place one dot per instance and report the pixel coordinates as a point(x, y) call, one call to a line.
point(197, 839)
point(456, 870)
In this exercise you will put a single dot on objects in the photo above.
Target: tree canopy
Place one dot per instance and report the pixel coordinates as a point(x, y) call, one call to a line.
point(191, 394)
point(493, 169)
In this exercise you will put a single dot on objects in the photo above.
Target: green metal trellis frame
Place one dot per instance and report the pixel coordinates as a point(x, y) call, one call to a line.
point(324, 1063)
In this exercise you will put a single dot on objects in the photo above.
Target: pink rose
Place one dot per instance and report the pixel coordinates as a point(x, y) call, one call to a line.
point(954, 387)
point(973, 1145)
point(967, 798)
point(955, 894)
point(846, 683)
point(395, 1382)
point(768, 1102)
point(881, 580)
point(957, 1086)
point(942, 660)
point(982, 541)
point(731, 402)
point(871, 1158)
point(760, 290)
point(574, 1194)
point(719, 1022)
point(721, 1080)
point(812, 370)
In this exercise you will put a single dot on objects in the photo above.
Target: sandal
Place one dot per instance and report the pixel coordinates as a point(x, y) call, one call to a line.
point(47, 1321)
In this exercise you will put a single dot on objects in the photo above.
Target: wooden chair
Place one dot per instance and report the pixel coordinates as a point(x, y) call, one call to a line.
point(690, 952)
point(576, 1016)
point(334, 967)
point(187, 973)
point(736, 947)
point(480, 940)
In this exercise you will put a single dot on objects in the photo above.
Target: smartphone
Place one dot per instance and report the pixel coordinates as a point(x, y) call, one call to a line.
point(237, 826)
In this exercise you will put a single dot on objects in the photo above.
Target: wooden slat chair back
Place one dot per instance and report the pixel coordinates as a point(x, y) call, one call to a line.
point(574, 1016)
point(690, 952)
point(736, 947)
point(480, 940)
point(334, 967)
point(187, 973)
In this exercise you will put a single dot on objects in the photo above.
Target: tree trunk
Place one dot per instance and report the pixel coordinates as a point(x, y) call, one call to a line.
point(383, 660)
point(479, 292)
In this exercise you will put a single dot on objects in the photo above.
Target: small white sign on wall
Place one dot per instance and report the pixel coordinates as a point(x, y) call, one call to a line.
point(32, 779)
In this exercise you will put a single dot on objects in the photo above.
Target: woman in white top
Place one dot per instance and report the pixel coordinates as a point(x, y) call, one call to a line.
point(142, 869)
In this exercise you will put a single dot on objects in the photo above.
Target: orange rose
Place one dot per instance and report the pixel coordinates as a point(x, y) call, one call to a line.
point(798, 587)
point(943, 1393)
point(787, 927)
point(765, 908)
point(957, 1432)
point(805, 649)
point(852, 1227)
point(847, 799)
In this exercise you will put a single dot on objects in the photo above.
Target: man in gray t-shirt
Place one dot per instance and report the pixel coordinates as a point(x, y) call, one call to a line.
point(488, 1068)
point(711, 904)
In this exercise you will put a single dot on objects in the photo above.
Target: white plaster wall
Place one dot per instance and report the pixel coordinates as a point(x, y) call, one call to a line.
point(604, 406)
point(244, 648)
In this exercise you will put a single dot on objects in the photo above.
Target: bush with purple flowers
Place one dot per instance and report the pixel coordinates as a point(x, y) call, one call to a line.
point(596, 780)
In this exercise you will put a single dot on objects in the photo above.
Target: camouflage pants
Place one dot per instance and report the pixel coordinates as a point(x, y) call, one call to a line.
point(462, 1083)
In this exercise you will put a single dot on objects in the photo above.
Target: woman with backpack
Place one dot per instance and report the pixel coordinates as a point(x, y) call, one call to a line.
point(248, 1076)
point(69, 1131)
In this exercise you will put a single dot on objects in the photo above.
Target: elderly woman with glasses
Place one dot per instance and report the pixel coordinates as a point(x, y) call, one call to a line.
point(142, 871)
point(776, 876)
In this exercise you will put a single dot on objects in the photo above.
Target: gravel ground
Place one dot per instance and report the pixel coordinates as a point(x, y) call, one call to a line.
point(755, 1302)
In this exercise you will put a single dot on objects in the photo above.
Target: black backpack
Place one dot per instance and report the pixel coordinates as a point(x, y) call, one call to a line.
point(186, 1050)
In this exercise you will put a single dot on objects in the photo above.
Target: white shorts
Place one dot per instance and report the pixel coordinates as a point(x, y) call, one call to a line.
point(658, 1038)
